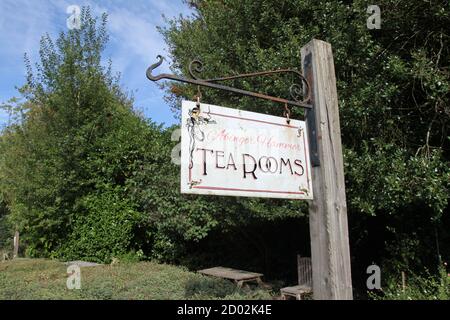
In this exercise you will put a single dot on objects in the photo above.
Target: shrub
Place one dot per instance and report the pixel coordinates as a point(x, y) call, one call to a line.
point(428, 287)
point(105, 230)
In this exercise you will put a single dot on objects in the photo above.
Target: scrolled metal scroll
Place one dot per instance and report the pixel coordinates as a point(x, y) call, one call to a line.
point(196, 67)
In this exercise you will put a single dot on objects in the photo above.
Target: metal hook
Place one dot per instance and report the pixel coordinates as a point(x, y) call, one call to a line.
point(287, 113)
point(198, 97)
point(154, 66)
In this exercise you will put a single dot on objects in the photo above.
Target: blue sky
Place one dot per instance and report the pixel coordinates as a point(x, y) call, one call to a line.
point(133, 46)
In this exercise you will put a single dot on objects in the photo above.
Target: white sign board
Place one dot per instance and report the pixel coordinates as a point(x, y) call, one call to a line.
point(239, 153)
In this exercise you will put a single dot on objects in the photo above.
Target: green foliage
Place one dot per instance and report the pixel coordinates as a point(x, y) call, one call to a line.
point(393, 86)
point(131, 256)
point(5, 234)
point(81, 175)
point(105, 230)
point(390, 170)
point(426, 287)
point(85, 177)
point(68, 100)
point(39, 279)
point(180, 219)
point(74, 144)
point(206, 288)
point(377, 117)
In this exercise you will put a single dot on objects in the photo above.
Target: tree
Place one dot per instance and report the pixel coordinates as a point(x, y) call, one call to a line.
point(84, 177)
point(393, 87)
point(55, 154)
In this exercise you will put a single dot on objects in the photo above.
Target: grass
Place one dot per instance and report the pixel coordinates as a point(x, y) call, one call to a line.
point(46, 279)
point(425, 287)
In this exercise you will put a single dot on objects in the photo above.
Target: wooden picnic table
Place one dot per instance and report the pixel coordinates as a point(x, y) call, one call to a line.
point(295, 291)
point(240, 277)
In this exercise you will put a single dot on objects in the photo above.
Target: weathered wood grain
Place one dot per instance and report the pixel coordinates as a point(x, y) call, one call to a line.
point(328, 211)
point(232, 274)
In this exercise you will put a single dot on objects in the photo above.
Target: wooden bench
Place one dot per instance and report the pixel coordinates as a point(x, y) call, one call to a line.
point(304, 280)
point(240, 277)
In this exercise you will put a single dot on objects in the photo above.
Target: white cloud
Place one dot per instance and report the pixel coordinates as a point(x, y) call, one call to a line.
point(136, 36)
point(22, 25)
point(134, 40)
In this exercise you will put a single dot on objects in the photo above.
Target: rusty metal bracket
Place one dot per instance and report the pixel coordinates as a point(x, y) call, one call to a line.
point(196, 67)
point(295, 91)
point(310, 116)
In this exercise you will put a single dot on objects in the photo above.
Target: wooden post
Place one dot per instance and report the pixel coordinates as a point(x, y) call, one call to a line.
point(16, 245)
point(330, 253)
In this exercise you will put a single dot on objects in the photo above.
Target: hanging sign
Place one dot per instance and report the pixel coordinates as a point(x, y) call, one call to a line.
point(239, 153)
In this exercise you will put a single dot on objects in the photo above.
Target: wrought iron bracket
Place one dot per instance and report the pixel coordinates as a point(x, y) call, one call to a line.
point(196, 67)
point(310, 115)
point(295, 90)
